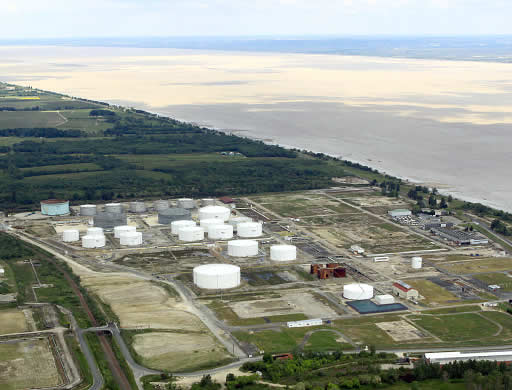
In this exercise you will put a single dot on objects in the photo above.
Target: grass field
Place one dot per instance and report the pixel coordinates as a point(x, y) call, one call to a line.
point(26, 119)
point(325, 341)
point(502, 280)
point(27, 364)
point(364, 331)
point(64, 167)
point(455, 309)
point(81, 120)
point(457, 327)
point(480, 265)
point(12, 321)
point(433, 294)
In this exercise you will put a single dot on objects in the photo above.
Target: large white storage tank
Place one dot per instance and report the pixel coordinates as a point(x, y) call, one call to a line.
point(283, 252)
point(137, 207)
point(243, 248)
point(177, 225)
point(234, 221)
point(118, 230)
point(416, 262)
point(191, 234)
point(186, 203)
point(249, 229)
point(358, 291)
point(95, 231)
point(130, 238)
point(88, 210)
point(220, 232)
point(217, 276)
point(214, 212)
point(92, 242)
point(114, 208)
point(71, 235)
point(206, 223)
point(161, 204)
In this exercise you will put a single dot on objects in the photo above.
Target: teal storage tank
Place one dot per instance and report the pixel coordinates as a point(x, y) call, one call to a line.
point(54, 207)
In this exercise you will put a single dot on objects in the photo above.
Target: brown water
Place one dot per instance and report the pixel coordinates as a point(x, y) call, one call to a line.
point(441, 122)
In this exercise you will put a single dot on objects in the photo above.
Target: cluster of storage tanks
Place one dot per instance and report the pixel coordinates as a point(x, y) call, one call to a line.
point(95, 236)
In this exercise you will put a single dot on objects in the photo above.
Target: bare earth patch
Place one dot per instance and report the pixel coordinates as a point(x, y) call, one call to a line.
point(12, 321)
point(400, 330)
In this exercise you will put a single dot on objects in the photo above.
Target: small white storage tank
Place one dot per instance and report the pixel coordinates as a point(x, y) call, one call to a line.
point(236, 220)
point(71, 235)
point(88, 210)
point(217, 276)
point(93, 241)
point(358, 291)
point(114, 208)
point(385, 299)
point(249, 229)
point(206, 223)
point(214, 212)
point(177, 225)
point(191, 234)
point(283, 252)
point(95, 231)
point(220, 232)
point(207, 202)
point(186, 203)
point(243, 248)
point(137, 207)
point(416, 262)
point(161, 204)
point(130, 238)
point(118, 230)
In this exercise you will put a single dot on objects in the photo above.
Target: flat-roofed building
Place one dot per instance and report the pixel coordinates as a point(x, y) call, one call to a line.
point(450, 357)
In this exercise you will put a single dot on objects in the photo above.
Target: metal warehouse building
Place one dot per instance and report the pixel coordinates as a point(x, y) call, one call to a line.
point(54, 207)
point(449, 357)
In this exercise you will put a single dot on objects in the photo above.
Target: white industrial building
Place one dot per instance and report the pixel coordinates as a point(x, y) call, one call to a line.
point(357, 291)
point(88, 210)
point(249, 229)
point(217, 276)
point(214, 212)
point(130, 238)
point(399, 213)
point(177, 225)
point(304, 323)
point(405, 291)
point(71, 235)
point(186, 203)
point(242, 248)
point(118, 230)
point(449, 357)
point(92, 242)
point(283, 252)
point(380, 259)
point(191, 234)
point(220, 232)
point(385, 299)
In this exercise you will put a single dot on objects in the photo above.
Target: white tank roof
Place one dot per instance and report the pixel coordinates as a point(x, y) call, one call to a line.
point(118, 230)
point(93, 241)
point(249, 229)
point(130, 238)
point(217, 276)
point(283, 252)
point(191, 234)
point(214, 212)
point(358, 291)
point(206, 223)
point(177, 225)
point(220, 232)
point(243, 248)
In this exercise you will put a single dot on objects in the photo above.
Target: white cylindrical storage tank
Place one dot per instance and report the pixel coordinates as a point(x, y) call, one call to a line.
point(93, 241)
point(416, 262)
point(358, 291)
point(186, 203)
point(220, 232)
point(118, 230)
point(71, 235)
point(214, 212)
point(95, 231)
point(130, 238)
point(243, 248)
point(283, 252)
point(191, 234)
point(114, 208)
point(217, 276)
point(385, 299)
point(137, 207)
point(88, 210)
point(249, 229)
point(161, 204)
point(206, 223)
point(177, 225)
point(234, 221)
point(207, 202)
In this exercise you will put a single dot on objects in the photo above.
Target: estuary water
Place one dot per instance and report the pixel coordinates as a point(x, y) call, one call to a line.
point(444, 123)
